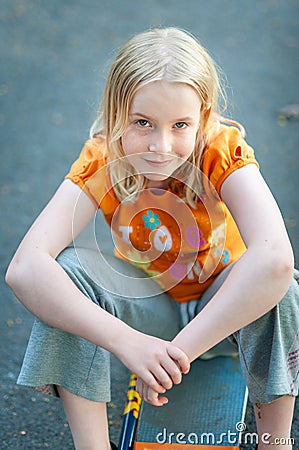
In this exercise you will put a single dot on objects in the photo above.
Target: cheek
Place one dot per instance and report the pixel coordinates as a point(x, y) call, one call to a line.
point(186, 145)
point(131, 142)
point(126, 142)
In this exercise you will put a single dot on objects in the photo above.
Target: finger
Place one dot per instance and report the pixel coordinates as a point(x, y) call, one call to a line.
point(139, 387)
point(173, 370)
point(154, 399)
point(150, 380)
point(163, 377)
point(150, 395)
point(180, 357)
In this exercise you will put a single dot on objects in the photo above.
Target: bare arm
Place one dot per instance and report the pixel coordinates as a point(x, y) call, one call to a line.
point(259, 279)
point(46, 290)
point(37, 279)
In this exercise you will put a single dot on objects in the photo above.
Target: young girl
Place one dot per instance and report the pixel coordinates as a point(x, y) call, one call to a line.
point(199, 241)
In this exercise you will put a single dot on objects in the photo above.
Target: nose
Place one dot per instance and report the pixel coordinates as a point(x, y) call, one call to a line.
point(160, 142)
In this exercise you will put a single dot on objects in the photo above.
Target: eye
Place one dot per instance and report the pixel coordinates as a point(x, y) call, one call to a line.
point(143, 123)
point(180, 125)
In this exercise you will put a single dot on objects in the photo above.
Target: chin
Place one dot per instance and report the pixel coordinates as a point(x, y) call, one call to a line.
point(156, 177)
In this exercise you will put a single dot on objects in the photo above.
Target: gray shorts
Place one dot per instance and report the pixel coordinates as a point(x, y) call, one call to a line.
point(268, 347)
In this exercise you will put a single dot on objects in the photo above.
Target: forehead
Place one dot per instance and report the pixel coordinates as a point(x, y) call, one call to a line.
point(166, 97)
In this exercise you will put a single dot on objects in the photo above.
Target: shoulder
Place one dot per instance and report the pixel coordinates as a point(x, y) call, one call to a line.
point(94, 149)
point(91, 157)
point(226, 152)
point(227, 139)
point(89, 169)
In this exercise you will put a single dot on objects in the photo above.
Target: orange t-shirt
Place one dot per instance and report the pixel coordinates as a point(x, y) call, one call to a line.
point(182, 248)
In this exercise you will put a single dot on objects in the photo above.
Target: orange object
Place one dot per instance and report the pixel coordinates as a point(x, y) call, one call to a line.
point(155, 446)
point(183, 248)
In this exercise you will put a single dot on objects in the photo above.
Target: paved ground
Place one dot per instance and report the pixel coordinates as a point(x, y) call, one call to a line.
point(54, 60)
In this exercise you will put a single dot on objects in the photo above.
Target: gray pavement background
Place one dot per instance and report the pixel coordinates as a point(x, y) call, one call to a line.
point(54, 56)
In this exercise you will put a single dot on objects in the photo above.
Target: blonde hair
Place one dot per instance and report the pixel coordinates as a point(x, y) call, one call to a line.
point(169, 54)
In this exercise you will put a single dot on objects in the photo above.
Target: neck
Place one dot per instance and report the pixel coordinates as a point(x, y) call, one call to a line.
point(158, 184)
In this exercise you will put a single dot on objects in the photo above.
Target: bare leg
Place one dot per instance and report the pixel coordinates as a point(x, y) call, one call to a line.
point(87, 420)
point(274, 422)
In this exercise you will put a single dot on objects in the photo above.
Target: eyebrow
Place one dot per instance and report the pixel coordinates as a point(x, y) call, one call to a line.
point(181, 119)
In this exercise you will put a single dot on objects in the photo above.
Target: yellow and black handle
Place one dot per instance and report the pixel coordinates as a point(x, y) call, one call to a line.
point(131, 416)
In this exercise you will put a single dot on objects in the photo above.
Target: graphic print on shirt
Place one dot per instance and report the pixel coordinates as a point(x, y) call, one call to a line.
point(226, 152)
point(151, 220)
point(165, 239)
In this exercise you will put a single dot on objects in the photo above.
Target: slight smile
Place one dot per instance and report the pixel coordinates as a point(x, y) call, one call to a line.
point(158, 163)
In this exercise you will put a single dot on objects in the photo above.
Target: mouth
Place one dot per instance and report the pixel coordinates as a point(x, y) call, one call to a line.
point(158, 163)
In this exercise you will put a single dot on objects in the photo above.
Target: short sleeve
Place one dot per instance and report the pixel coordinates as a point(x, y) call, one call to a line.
point(225, 154)
point(89, 171)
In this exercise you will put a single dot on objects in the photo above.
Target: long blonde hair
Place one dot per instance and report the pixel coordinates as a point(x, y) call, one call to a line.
point(169, 54)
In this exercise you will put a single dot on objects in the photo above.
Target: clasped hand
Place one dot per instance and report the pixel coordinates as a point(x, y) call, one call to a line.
point(158, 365)
point(174, 364)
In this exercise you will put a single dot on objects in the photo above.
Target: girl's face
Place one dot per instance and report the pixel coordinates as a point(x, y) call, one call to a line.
point(163, 122)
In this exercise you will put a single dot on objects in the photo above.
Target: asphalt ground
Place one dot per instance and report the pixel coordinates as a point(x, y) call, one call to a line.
point(54, 57)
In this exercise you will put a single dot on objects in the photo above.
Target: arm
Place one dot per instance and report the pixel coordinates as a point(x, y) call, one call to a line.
point(35, 276)
point(46, 290)
point(259, 279)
